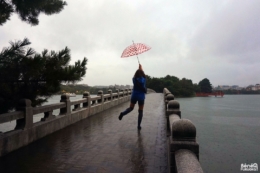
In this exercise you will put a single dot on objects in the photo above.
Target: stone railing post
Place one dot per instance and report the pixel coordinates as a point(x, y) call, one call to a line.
point(117, 90)
point(168, 98)
point(126, 92)
point(27, 121)
point(183, 136)
point(121, 90)
point(173, 107)
point(66, 99)
point(101, 100)
point(111, 94)
point(87, 96)
point(166, 92)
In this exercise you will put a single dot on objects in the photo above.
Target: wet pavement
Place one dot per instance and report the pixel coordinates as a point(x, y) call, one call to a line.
point(101, 144)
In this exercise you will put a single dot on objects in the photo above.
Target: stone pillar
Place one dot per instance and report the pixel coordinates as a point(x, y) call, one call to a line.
point(166, 92)
point(111, 94)
point(120, 90)
point(25, 105)
point(173, 107)
point(183, 136)
point(87, 96)
point(167, 99)
point(101, 100)
point(66, 99)
point(117, 90)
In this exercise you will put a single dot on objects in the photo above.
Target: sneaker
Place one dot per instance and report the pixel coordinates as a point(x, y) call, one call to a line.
point(120, 116)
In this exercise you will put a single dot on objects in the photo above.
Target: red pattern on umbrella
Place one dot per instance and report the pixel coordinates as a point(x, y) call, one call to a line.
point(135, 49)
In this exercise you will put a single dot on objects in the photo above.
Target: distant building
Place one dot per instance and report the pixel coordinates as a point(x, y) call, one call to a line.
point(223, 87)
point(227, 87)
point(253, 87)
point(234, 86)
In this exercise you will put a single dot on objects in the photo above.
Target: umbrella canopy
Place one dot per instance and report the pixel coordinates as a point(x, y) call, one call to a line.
point(135, 49)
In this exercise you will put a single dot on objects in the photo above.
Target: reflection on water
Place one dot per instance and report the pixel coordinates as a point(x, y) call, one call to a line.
point(133, 143)
point(137, 158)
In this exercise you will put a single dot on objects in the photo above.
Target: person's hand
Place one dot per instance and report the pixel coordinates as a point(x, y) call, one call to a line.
point(140, 67)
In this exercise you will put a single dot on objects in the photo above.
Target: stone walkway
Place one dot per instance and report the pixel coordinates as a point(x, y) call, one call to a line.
point(100, 144)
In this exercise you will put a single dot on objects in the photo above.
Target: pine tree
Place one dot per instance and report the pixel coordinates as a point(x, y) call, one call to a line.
point(29, 10)
point(27, 74)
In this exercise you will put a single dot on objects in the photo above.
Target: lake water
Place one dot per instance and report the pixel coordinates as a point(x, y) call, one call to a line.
point(228, 130)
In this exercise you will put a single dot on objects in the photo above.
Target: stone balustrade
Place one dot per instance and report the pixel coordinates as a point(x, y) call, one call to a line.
point(183, 150)
point(70, 112)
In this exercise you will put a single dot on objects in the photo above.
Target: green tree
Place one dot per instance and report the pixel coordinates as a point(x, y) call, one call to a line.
point(27, 74)
point(205, 86)
point(29, 10)
point(156, 84)
point(186, 87)
point(196, 88)
point(177, 87)
point(172, 84)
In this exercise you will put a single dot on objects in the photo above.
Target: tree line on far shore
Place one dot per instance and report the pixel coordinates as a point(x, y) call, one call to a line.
point(178, 87)
point(80, 89)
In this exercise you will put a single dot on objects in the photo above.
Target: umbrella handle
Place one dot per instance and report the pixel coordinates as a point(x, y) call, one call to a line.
point(136, 52)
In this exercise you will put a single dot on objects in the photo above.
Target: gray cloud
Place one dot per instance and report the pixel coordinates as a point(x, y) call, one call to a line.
point(230, 34)
point(214, 39)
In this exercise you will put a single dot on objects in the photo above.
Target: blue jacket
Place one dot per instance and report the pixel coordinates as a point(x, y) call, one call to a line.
point(138, 92)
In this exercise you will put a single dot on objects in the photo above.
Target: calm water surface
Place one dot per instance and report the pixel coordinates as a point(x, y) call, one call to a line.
point(228, 130)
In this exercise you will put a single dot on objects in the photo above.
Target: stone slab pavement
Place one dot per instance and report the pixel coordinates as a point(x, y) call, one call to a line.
point(100, 144)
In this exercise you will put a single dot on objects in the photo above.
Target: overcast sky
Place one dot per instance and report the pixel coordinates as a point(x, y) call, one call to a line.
point(218, 40)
